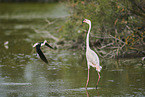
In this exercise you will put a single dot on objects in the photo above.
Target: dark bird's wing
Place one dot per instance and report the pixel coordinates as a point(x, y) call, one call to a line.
point(41, 54)
point(48, 45)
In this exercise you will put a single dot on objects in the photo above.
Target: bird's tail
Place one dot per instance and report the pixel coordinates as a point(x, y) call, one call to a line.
point(99, 69)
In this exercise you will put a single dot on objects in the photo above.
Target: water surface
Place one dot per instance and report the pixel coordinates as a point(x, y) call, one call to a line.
point(23, 74)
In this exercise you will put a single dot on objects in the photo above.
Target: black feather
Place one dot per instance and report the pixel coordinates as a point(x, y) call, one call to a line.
point(38, 50)
point(48, 45)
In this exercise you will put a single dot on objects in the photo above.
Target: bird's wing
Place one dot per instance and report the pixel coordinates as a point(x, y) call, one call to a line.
point(41, 54)
point(48, 45)
point(92, 57)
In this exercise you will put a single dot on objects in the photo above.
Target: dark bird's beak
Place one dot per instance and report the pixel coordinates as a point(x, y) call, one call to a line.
point(48, 45)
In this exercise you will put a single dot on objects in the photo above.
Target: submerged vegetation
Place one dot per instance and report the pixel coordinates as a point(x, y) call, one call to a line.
point(118, 27)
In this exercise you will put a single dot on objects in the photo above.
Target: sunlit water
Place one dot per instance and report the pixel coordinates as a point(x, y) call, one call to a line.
point(23, 74)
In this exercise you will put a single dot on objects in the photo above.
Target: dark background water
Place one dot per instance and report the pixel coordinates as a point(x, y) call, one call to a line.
point(23, 74)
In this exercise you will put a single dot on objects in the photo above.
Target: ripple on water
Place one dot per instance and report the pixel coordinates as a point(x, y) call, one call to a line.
point(16, 84)
point(90, 88)
point(82, 90)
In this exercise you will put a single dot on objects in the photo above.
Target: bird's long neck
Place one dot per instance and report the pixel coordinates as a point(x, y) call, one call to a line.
point(87, 40)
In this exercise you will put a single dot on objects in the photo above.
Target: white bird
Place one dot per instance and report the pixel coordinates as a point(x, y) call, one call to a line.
point(6, 44)
point(38, 50)
point(91, 56)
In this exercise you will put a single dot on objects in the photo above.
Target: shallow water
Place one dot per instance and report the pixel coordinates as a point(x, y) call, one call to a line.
point(23, 74)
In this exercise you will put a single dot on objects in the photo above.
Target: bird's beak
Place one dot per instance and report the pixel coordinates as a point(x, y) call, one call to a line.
point(83, 21)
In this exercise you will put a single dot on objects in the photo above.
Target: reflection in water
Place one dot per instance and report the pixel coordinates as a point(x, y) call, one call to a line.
point(87, 93)
point(95, 91)
point(28, 75)
point(23, 74)
point(65, 75)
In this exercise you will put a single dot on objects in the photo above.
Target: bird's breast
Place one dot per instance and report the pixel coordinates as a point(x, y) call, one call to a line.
point(92, 58)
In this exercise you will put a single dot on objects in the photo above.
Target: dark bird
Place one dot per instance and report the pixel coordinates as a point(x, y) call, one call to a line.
point(38, 50)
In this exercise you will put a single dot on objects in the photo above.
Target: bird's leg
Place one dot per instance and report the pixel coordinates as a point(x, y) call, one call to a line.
point(87, 79)
point(87, 93)
point(98, 80)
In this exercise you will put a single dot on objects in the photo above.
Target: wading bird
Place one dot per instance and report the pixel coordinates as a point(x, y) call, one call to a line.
point(38, 50)
point(91, 56)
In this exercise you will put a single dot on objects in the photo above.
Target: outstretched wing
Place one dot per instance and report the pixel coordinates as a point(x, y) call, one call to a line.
point(48, 45)
point(41, 54)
